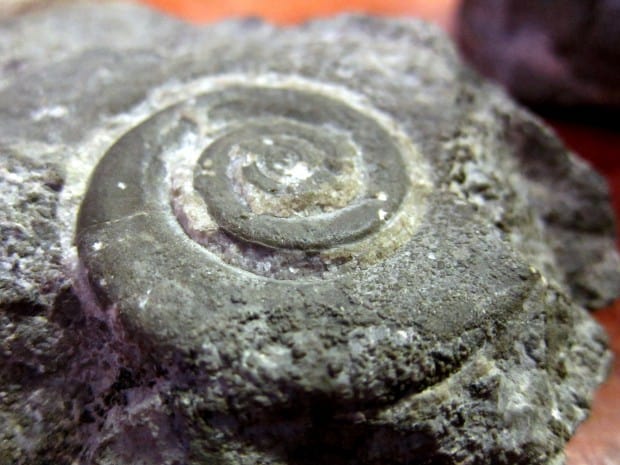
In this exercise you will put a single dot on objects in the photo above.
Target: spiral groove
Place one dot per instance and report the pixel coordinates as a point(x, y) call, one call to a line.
point(281, 182)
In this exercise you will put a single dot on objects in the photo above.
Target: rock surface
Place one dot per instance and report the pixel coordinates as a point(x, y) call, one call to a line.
point(554, 53)
point(324, 244)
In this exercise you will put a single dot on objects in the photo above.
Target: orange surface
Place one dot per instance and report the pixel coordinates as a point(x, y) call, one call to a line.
point(597, 441)
point(293, 11)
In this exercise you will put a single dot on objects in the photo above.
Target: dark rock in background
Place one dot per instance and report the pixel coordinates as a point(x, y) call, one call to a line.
point(452, 330)
point(562, 53)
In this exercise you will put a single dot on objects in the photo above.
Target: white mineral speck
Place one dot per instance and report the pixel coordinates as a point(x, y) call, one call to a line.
point(145, 299)
point(263, 266)
point(267, 141)
point(97, 246)
point(382, 214)
point(431, 256)
point(382, 196)
point(54, 112)
point(299, 171)
point(122, 186)
point(403, 335)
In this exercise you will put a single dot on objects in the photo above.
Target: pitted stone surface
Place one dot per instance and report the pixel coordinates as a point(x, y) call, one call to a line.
point(239, 244)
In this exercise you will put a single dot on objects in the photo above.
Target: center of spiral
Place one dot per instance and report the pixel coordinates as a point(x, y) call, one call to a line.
point(289, 169)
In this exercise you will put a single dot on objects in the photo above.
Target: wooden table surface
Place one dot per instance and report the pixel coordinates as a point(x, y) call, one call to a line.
point(597, 441)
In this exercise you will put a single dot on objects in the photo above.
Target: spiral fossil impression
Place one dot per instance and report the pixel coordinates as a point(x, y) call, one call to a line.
point(325, 244)
point(292, 185)
point(285, 181)
point(304, 164)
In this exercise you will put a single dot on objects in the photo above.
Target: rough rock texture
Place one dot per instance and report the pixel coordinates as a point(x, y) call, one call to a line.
point(557, 52)
point(324, 244)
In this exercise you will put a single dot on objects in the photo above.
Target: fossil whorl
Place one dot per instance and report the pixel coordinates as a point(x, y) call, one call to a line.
point(288, 197)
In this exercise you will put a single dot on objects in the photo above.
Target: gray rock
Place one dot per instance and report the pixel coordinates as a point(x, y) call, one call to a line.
point(16, 7)
point(239, 244)
point(554, 53)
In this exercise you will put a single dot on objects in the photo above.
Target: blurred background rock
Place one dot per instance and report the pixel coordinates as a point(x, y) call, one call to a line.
point(561, 56)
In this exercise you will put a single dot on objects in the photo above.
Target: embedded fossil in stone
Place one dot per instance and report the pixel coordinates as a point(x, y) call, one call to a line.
point(288, 176)
point(354, 257)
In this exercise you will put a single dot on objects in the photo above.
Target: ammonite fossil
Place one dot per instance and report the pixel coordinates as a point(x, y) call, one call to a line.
point(324, 244)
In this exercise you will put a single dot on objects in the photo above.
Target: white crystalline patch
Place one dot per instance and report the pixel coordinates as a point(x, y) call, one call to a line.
point(263, 266)
point(97, 246)
point(122, 186)
point(382, 214)
point(298, 172)
point(382, 196)
point(267, 141)
point(431, 256)
point(206, 167)
point(145, 299)
point(54, 112)
point(10, 177)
